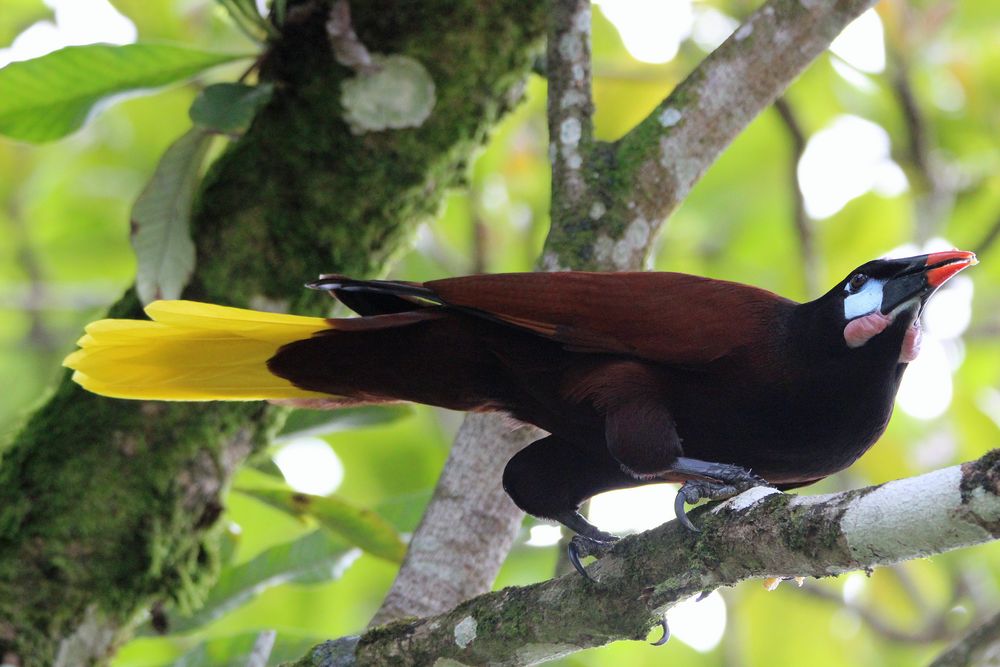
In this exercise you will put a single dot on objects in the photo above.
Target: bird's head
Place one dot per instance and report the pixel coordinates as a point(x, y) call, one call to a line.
point(884, 292)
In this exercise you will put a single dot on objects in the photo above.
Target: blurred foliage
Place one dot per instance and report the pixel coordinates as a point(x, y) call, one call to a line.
point(65, 255)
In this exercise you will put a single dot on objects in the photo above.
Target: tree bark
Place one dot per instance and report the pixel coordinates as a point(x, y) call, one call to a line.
point(608, 203)
point(108, 507)
point(760, 533)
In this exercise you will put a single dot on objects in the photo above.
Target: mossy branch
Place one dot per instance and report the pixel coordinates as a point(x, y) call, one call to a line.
point(659, 161)
point(108, 507)
point(608, 202)
point(761, 533)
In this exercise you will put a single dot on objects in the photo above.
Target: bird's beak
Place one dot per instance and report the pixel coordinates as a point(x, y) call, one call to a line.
point(919, 277)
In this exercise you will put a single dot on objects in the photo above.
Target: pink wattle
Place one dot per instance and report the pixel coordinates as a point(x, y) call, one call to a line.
point(911, 344)
point(862, 329)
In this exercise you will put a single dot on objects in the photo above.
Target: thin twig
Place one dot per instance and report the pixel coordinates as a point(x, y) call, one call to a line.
point(979, 647)
point(934, 192)
point(803, 225)
point(934, 628)
point(989, 239)
point(262, 648)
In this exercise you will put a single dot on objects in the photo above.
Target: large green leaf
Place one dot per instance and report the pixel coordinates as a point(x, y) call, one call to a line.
point(48, 97)
point(361, 527)
point(160, 236)
point(316, 557)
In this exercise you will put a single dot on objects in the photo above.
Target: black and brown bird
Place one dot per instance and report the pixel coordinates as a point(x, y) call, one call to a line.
point(637, 377)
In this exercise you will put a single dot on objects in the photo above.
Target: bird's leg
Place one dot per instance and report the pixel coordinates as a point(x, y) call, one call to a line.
point(588, 541)
point(717, 481)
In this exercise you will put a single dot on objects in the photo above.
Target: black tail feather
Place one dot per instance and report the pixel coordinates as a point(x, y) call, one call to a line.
point(376, 297)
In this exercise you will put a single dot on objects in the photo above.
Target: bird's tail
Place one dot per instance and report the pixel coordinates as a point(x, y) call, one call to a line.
point(191, 351)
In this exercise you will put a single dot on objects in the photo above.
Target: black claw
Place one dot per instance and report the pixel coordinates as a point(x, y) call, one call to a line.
point(703, 595)
point(666, 633)
point(573, 553)
point(679, 501)
point(581, 546)
point(714, 481)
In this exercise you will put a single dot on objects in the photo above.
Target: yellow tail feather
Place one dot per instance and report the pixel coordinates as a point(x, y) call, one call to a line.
point(190, 351)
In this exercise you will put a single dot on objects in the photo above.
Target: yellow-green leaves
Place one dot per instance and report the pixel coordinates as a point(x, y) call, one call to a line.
point(160, 235)
point(361, 527)
point(49, 97)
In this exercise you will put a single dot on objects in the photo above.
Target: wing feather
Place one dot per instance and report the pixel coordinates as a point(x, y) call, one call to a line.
point(660, 316)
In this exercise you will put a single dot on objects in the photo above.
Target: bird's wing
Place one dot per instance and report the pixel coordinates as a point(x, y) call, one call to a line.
point(665, 317)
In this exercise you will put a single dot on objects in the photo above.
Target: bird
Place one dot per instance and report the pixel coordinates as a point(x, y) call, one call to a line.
point(636, 377)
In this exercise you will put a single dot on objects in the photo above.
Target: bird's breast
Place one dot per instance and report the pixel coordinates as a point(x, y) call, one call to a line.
point(787, 431)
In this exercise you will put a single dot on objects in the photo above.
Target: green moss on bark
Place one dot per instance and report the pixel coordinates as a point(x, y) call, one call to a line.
point(109, 506)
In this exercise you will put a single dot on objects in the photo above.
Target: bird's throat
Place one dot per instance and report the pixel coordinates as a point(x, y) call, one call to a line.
point(862, 329)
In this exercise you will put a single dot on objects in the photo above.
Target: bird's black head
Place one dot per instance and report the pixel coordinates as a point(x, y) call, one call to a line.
point(883, 293)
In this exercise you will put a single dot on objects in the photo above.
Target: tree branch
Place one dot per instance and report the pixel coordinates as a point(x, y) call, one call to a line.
point(979, 647)
point(660, 159)
point(475, 525)
point(471, 478)
point(803, 225)
point(570, 120)
point(608, 201)
point(108, 507)
point(760, 533)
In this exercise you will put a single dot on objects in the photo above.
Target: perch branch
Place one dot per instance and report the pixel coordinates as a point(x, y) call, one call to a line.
point(760, 533)
point(596, 227)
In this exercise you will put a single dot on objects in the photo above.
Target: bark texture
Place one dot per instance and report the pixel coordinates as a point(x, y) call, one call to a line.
point(108, 507)
point(760, 533)
point(610, 200)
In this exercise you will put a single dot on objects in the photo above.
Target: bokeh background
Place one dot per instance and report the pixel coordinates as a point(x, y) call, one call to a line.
point(886, 145)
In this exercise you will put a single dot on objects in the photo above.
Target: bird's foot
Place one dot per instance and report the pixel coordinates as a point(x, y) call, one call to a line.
point(588, 541)
point(666, 633)
point(581, 547)
point(719, 482)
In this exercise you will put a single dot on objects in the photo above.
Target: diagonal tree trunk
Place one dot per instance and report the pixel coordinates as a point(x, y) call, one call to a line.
point(108, 507)
point(608, 203)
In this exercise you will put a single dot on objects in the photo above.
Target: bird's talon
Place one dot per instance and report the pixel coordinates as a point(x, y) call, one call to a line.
point(573, 554)
point(680, 500)
point(580, 547)
point(666, 633)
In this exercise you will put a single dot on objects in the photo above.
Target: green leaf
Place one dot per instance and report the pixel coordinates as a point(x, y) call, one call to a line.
point(301, 423)
point(18, 15)
point(361, 527)
point(160, 236)
point(316, 557)
point(229, 108)
point(235, 651)
point(49, 97)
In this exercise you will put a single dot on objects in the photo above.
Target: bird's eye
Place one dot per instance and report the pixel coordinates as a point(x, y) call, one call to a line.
point(857, 281)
